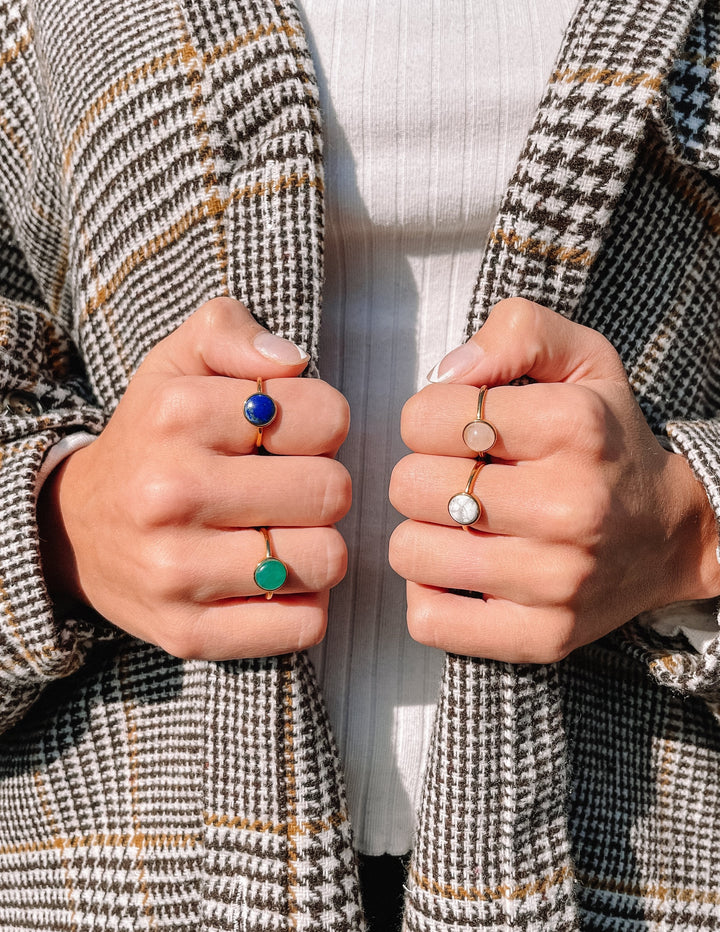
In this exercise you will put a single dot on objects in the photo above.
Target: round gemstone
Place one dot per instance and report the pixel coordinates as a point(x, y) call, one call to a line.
point(270, 574)
point(464, 508)
point(260, 409)
point(479, 436)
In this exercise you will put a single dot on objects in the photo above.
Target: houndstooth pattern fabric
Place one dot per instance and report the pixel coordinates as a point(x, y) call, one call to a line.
point(157, 154)
point(167, 154)
point(573, 773)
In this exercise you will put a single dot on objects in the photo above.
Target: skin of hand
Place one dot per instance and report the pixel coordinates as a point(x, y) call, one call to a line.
point(154, 524)
point(586, 520)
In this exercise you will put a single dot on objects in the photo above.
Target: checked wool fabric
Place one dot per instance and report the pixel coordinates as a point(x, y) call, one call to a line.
point(581, 778)
point(154, 155)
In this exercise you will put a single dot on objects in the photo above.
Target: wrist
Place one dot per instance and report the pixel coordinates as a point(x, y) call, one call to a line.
point(56, 551)
point(693, 570)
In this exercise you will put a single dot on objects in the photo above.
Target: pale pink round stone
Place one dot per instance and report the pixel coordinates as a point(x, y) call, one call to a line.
point(479, 436)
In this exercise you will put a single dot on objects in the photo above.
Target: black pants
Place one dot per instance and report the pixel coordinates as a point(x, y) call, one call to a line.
point(382, 882)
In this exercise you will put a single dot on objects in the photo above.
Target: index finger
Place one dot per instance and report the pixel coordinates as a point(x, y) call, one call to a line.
point(311, 418)
point(530, 421)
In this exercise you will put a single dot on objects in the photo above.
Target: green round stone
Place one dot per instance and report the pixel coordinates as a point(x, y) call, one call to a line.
point(270, 574)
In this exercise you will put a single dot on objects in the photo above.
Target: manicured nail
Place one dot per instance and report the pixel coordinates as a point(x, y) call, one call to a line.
point(456, 364)
point(279, 350)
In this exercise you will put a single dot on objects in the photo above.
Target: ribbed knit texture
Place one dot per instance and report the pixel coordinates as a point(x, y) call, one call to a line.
point(426, 105)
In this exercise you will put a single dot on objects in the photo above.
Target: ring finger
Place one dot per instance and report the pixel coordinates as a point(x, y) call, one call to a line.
point(223, 567)
point(517, 500)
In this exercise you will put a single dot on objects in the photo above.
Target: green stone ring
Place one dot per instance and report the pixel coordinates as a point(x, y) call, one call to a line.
point(270, 573)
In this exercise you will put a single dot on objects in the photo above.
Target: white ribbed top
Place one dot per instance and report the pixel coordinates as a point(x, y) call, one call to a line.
point(426, 104)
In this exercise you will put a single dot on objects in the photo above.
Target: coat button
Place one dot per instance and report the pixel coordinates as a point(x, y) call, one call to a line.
point(22, 404)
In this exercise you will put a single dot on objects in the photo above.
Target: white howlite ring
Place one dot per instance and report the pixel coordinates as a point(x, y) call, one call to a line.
point(463, 507)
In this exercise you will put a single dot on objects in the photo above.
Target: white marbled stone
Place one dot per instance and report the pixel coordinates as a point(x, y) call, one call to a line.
point(464, 508)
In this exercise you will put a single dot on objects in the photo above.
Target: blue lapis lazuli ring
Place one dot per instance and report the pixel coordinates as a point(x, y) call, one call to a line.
point(259, 410)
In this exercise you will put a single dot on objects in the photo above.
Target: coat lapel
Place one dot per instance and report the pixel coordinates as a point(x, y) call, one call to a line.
point(189, 166)
point(493, 849)
point(609, 83)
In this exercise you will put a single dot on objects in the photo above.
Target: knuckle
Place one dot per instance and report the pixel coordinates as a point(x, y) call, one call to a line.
point(563, 579)
point(167, 571)
point(335, 557)
point(515, 313)
point(173, 407)
point(336, 491)
point(340, 417)
point(399, 483)
point(422, 625)
point(605, 351)
point(336, 415)
point(404, 549)
point(407, 421)
point(163, 498)
point(215, 315)
point(212, 322)
point(312, 629)
point(187, 643)
point(569, 584)
point(591, 515)
point(325, 559)
point(520, 321)
point(591, 423)
point(580, 519)
point(557, 641)
point(417, 412)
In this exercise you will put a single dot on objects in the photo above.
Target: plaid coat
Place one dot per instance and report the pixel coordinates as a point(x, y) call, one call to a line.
point(156, 153)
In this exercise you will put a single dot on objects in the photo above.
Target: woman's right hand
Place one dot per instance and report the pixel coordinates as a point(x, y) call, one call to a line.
point(154, 524)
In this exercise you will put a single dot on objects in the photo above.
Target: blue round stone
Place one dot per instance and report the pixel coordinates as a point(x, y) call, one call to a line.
point(259, 409)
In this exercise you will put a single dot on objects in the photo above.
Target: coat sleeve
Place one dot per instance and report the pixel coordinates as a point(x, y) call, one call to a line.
point(43, 398)
point(681, 643)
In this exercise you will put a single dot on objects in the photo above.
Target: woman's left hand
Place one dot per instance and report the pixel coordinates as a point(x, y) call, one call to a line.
point(586, 520)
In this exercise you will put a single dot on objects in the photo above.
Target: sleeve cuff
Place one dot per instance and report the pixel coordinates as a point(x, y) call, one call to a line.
point(60, 451)
point(681, 643)
point(697, 621)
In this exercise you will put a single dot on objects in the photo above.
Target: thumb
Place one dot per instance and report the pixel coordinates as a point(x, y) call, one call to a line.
point(223, 338)
point(521, 338)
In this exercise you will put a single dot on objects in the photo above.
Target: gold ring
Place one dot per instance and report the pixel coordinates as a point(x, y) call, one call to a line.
point(259, 410)
point(464, 508)
point(270, 573)
point(480, 435)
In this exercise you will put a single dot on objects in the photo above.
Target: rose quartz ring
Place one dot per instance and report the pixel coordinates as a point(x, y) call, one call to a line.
point(480, 435)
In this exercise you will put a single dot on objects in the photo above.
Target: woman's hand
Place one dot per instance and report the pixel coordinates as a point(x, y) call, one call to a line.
point(154, 524)
point(586, 520)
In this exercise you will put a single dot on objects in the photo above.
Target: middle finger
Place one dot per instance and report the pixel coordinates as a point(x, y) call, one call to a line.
point(521, 500)
point(254, 491)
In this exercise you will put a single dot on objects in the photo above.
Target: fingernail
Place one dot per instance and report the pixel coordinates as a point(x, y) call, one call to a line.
point(457, 362)
point(279, 350)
